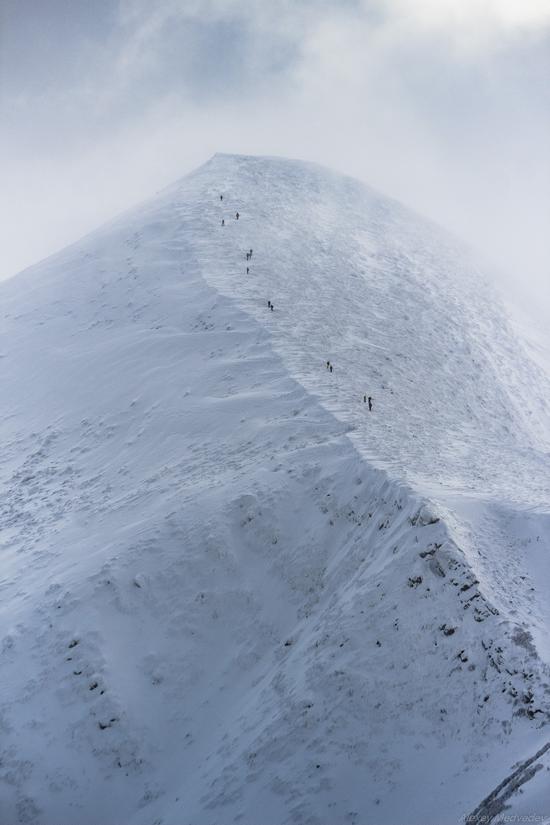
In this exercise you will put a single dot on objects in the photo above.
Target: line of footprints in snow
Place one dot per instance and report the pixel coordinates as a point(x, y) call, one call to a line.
point(367, 399)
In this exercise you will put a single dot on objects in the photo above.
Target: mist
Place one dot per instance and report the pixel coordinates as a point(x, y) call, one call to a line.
point(443, 105)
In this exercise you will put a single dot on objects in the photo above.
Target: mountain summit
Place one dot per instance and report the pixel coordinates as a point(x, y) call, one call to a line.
point(233, 589)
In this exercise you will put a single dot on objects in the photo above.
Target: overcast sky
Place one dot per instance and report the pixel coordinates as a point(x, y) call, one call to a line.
point(444, 104)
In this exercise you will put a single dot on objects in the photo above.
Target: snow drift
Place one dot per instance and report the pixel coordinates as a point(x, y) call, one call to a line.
point(230, 593)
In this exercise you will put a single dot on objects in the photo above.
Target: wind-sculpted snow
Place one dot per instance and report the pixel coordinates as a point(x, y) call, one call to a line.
point(399, 308)
point(230, 593)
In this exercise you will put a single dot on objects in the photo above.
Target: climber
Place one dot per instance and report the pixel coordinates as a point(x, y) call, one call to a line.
point(330, 368)
point(223, 222)
point(221, 197)
point(247, 256)
point(364, 399)
point(236, 216)
point(328, 365)
point(269, 304)
point(271, 307)
point(247, 270)
point(250, 254)
point(370, 403)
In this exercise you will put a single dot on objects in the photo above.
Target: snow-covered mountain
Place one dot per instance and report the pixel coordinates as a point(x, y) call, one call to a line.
point(229, 591)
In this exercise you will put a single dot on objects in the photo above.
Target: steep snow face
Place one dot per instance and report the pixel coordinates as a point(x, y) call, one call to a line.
point(401, 311)
point(460, 412)
point(223, 589)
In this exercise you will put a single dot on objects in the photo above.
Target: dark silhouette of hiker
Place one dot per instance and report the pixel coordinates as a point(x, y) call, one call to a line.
point(269, 304)
point(236, 216)
point(247, 256)
point(223, 222)
point(364, 399)
point(247, 270)
point(370, 403)
point(330, 368)
point(328, 365)
point(221, 197)
point(250, 254)
point(271, 307)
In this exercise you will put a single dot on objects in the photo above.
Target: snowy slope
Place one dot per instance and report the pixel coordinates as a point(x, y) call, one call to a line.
point(229, 593)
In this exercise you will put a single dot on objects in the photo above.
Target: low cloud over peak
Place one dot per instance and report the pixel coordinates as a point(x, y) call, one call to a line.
point(438, 102)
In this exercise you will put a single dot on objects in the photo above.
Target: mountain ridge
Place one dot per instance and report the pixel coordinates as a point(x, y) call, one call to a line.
point(213, 518)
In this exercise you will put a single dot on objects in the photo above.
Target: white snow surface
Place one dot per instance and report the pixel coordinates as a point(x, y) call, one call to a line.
point(229, 592)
